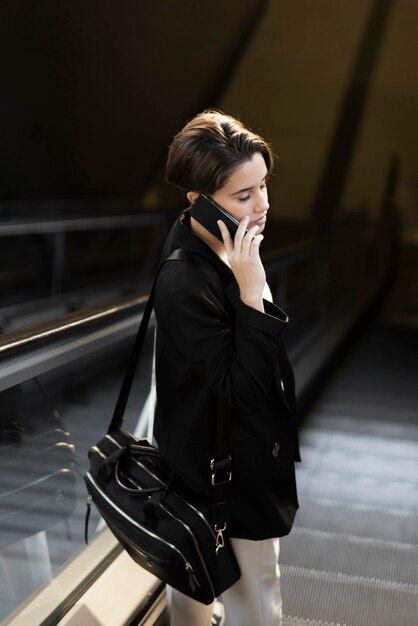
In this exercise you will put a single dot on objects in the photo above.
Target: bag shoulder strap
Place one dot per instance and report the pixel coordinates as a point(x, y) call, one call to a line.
point(221, 462)
point(118, 413)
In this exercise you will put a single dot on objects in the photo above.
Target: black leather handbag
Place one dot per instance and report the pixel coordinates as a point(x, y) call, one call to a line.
point(165, 527)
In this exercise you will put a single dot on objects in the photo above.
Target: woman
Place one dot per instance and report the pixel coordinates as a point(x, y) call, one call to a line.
point(219, 339)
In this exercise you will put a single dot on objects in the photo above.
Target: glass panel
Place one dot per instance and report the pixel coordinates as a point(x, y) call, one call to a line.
point(45, 275)
point(46, 428)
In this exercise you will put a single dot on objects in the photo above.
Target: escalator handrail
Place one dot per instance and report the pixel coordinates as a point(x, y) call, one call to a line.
point(57, 327)
point(54, 329)
point(75, 224)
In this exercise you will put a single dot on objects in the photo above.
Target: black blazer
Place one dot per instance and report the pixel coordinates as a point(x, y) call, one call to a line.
point(211, 345)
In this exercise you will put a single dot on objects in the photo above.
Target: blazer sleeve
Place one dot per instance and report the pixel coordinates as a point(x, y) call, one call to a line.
point(233, 353)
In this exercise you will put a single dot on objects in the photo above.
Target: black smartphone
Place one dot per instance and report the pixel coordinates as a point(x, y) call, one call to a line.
point(206, 211)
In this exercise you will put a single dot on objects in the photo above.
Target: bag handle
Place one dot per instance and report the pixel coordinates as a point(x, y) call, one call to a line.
point(220, 465)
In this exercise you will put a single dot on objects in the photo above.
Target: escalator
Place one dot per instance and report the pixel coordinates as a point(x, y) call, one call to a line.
point(79, 297)
point(351, 557)
point(79, 360)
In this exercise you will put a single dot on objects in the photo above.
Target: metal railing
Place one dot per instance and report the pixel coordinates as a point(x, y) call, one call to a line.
point(56, 229)
point(313, 279)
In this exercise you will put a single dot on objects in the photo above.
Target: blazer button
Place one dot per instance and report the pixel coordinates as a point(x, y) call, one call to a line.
point(276, 449)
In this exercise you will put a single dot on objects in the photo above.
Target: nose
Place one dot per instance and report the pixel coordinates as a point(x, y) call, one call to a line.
point(262, 203)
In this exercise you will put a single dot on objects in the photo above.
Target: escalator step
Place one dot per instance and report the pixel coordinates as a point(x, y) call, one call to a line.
point(361, 521)
point(355, 556)
point(341, 599)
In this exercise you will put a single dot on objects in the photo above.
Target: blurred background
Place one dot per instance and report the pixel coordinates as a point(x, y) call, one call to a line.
point(91, 94)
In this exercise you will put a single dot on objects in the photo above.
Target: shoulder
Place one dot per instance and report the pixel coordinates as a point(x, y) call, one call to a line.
point(189, 286)
point(187, 271)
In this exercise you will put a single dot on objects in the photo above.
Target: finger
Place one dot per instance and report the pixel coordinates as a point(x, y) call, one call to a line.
point(226, 237)
point(255, 244)
point(239, 235)
point(247, 240)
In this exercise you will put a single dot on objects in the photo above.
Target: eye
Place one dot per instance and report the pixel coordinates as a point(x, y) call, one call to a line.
point(244, 199)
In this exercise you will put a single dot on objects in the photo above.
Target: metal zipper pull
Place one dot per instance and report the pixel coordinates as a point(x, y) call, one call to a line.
point(220, 541)
point(89, 500)
point(190, 572)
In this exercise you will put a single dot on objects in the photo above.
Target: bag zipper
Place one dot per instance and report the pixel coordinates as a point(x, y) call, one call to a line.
point(198, 513)
point(97, 450)
point(188, 529)
point(146, 555)
point(162, 483)
point(148, 471)
point(150, 561)
point(191, 533)
point(113, 441)
point(178, 496)
point(188, 566)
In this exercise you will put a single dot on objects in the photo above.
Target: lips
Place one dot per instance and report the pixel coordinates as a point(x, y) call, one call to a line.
point(261, 220)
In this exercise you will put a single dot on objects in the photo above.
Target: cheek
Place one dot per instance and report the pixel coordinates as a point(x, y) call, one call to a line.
point(239, 211)
point(234, 207)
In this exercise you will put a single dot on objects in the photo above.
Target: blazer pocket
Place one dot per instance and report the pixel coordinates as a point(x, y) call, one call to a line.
point(250, 463)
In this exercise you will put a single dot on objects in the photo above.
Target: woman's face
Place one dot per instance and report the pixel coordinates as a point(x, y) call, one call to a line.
point(245, 192)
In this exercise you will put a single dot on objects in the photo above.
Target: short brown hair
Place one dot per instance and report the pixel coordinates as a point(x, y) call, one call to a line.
point(203, 155)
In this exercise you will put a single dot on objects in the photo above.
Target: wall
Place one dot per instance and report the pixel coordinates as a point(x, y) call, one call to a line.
point(292, 81)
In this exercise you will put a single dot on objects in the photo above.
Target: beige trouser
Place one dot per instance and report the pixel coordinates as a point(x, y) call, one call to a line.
point(254, 600)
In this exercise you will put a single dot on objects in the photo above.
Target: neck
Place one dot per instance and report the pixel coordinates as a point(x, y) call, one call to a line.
point(209, 239)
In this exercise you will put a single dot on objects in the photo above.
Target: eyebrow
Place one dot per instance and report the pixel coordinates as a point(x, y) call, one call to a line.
point(248, 188)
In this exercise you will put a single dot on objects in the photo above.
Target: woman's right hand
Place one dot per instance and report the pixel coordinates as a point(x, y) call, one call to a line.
point(244, 257)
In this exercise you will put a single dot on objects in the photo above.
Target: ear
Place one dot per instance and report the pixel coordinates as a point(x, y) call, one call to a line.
point(192, 196)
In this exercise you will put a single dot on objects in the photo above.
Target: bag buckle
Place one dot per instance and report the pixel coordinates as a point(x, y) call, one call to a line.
point(221, 466)
point(220, 541)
